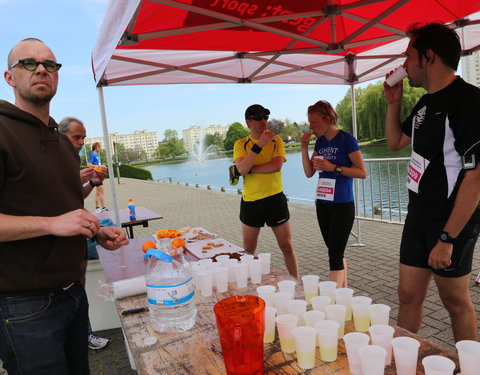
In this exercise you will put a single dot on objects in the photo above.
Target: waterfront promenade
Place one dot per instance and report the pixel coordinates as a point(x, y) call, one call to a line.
point(373, 269)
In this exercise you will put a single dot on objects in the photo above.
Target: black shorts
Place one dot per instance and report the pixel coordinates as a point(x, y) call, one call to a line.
point(417, 244)
point(272, 211)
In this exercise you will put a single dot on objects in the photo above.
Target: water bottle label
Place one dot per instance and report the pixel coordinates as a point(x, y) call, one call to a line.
point(170, 295)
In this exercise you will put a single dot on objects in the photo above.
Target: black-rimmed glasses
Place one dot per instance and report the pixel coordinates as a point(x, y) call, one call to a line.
point(258, 117)
point(31, 65)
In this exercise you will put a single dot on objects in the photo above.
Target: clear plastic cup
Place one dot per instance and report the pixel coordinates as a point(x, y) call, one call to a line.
point(354, 341)
point(222, 258)
point(311, 317)
point(266, 292)
point(310, 286)
point(320, 302)
point(327, 331)
point(204, 282)
point(405, 351)
point(379, 314)
point(287, 286)
point(247, 258)
point(305, 343)
point(343, 296)
point(382, 335)
point(220, 275)
point(285, 324)
point(241, 274)
point(269, 334)
point(398, 74)
point(372, 359)
point(231, 272)
point(337, 313)
point(438, 365)
point(327, 288)
point(205, 262)
point(361, 314)
point(255, 271)
point(265, 258)
point(469, 356)
point(297, 307)
point(280, 299)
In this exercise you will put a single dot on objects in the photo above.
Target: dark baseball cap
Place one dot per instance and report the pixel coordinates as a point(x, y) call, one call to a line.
point(255, 110)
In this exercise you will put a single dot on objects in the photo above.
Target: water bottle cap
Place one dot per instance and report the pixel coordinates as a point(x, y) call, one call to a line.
point(130, 199)
point(158, 254)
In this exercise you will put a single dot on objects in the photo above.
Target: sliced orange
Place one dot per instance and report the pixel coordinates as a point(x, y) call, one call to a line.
point(148, 245)
point(97, 168)
point(178, 242)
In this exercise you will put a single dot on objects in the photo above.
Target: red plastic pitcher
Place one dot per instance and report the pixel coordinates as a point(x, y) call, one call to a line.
point(241, 324)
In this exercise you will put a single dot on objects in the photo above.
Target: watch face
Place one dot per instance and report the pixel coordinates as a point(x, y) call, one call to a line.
point(443, 237)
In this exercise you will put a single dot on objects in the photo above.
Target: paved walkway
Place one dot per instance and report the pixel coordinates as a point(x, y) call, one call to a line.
point(373, 269)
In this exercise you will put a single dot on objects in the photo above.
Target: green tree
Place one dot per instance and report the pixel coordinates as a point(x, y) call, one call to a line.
point(291, 133)
point(120, 153)
point(275, 126)
point(235, 132)
point(171, 146)
point(214, 139)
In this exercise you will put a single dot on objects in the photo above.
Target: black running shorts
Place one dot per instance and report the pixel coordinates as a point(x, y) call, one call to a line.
point(272, 211)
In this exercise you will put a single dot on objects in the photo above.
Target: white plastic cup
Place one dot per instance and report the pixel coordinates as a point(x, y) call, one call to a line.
point(438, 365)
point(398, 74)
point(327, 288)
point(343, 296)
point(379, 314)
point(305, 343)
point(297, 307)
point(266, 292)
point(285, 324)
point(310, 286)
point(269, 333)
point(280, 299)
point(469, 356)
point(321, 157)
point(327, 331)
point(222, 258)
point(337, 313)
point(354, 341)
point(287, 286)
point(255, 271)
point(231, 272)
point(265, 259)
point(205, 262)
point(220, 275)
point(247, 258)
point(205, 280)
point(405, 351)
point(372, 359)
point(320, 302)
point(241, 274)
point(311, 317)
point(382, 335)
point(361, 314)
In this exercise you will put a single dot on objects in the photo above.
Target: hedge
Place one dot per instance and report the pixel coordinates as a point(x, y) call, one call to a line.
point(129, 171)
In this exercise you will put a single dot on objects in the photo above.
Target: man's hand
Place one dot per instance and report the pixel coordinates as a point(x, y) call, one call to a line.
point(440, 256)
point(393, 93)
point(74, 223)
point(111, 238)
point(86, 174)
point(99, 176)
point(266, 137)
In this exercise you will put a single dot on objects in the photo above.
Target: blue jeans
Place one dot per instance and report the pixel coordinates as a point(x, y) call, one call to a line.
point(45, 334)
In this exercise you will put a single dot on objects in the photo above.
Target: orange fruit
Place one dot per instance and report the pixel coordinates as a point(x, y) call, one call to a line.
point(97, 168)
point(148, 245)
point(178, 242)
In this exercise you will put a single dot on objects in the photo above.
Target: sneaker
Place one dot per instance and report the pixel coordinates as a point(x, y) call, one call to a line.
point(95, 342)
point(104, 209)
point(98, 209)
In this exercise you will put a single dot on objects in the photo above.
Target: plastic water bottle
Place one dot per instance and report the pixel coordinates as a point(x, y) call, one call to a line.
point(170, 292)
point(131, 209)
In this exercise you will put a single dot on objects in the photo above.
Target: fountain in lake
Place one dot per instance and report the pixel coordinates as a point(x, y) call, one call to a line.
point(200, 153)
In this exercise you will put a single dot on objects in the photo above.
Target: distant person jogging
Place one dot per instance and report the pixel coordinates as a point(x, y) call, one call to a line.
point(94, 160)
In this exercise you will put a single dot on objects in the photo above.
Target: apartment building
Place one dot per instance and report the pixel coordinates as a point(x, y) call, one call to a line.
point(139, 140)
point(194, 134)
point(471, 68)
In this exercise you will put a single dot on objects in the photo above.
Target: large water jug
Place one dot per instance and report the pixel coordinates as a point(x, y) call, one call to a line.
point(170, 292)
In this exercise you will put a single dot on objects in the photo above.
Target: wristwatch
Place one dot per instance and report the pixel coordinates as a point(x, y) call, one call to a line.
point(93, 184)
point(256, 148)
point(445, 237)
point(338, 170)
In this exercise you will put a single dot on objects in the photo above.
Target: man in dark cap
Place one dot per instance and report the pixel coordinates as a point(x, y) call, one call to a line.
point(259, 158)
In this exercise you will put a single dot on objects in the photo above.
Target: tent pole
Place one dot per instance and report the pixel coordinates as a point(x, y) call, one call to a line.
point(355, 180)
point(106, 142)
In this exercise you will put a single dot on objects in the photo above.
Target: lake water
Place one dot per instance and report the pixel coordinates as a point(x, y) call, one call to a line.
point(214, 172)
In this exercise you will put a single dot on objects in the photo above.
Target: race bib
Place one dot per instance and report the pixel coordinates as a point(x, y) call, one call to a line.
point(326, 189)
point(416, 169)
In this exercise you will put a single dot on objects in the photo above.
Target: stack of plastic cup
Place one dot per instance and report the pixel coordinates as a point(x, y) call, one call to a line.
point(204, 282)
point(469, 356)
point(287, 286)
point(372, 359)
point(327, 288)
point(320, 302)
point(310, 286)
point(382, 335)
point(405, 351)
point(379, 314)
point(438, 365)
point(241, 274)
point(285, 324)
point(305, 340)
point(327, 331)
point(337, 313)
point(255, 271)
point(265, 258)
point(280, 299)
point(297, 307)
point(361, 314)
point(220, 276)
point(231, 272)
point(353, 342)
point(266, 292)
point(269, 334)
point(343, 296)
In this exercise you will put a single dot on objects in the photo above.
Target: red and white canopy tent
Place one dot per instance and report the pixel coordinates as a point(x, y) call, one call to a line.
point(145, 42)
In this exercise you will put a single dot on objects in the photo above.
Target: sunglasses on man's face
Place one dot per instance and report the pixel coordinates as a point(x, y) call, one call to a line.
point(258, 117)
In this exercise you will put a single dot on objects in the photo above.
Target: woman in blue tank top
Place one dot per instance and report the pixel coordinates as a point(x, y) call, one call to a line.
point(337, 159)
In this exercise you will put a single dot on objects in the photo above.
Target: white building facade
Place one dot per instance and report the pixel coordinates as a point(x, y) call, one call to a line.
point(194, 134)
point(140, 140)
point(471, 68)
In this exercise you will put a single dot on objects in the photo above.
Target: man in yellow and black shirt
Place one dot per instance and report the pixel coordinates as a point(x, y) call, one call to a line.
point(259, 159)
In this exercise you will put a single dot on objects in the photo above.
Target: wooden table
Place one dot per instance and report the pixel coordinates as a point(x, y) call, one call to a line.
point(144, 215)
point(198, 351)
